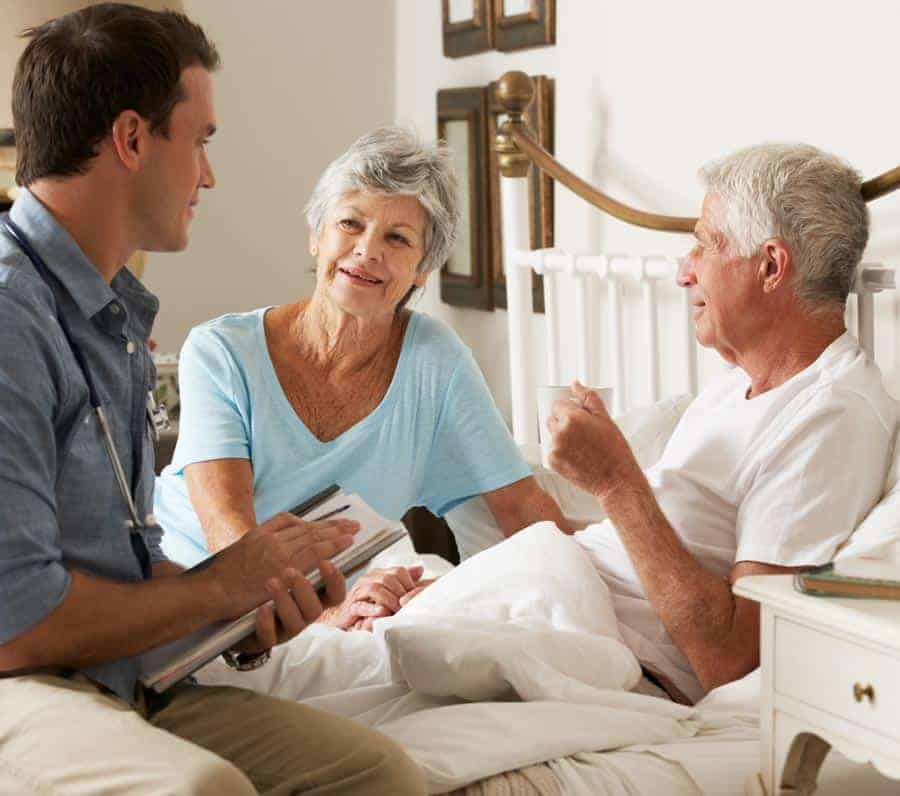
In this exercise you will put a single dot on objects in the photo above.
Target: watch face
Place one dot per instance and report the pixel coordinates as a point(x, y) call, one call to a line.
point(246, 661)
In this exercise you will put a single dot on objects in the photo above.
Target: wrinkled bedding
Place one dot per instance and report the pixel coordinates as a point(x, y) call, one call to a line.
point(511, 660)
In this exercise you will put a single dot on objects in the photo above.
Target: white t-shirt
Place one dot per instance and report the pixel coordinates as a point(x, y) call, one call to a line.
point(782, 478)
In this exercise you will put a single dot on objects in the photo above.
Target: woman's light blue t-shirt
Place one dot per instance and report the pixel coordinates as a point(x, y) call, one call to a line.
point(435, 440)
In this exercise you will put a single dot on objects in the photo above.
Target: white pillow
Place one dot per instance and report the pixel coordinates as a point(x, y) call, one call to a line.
point(647, 429)
point(530, 617)
point(881, 526)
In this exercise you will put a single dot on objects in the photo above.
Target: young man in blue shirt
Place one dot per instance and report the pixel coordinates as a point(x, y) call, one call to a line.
point(113, 108)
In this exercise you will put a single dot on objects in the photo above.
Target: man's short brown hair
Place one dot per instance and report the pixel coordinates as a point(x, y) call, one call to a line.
point(80, 71)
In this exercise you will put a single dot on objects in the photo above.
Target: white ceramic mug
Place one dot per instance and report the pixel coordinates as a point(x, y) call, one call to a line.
point(547, 396)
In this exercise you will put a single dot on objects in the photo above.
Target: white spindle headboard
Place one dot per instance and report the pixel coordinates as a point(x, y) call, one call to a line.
point(612, 272)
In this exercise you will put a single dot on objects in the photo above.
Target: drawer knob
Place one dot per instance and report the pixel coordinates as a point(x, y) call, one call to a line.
point(860, 692)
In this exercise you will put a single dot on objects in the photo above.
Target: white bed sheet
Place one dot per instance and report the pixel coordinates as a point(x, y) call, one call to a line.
point(713, 749)
point(526, 630)
point(628, 772)
point(718, 760)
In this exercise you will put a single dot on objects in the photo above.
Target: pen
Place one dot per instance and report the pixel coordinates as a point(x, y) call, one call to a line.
point(315, 501)
point(331, 513)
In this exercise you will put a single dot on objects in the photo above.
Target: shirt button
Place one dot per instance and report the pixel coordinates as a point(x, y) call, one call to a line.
point(130, 347)
point(115, 309)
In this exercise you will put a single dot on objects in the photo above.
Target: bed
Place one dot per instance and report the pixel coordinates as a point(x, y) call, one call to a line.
point(722, 759)
point(487, 709)
point(453, 712)
point(593, 288)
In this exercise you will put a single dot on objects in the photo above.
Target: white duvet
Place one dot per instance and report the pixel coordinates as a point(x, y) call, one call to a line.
point(513, 658)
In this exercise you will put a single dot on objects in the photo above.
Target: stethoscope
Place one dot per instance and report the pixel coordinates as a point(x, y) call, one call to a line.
point(156, 415)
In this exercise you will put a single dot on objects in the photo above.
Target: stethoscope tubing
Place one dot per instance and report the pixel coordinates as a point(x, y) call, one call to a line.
point(15, 232)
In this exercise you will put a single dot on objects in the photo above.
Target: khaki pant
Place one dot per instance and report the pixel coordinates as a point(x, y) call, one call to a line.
point(65, 736)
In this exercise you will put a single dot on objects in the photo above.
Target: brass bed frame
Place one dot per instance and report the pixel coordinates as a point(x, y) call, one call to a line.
point(517, 149)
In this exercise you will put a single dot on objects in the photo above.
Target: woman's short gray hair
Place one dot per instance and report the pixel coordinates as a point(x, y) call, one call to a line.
point(809, 199)
point(394, 161)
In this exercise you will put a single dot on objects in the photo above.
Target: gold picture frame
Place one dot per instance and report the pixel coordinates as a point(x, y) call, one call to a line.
point(531, 26)
point(467, 35)
point(540, 188)
point(462, 122)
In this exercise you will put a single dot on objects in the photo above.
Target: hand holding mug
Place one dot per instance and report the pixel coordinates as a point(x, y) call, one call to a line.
point(585, 445)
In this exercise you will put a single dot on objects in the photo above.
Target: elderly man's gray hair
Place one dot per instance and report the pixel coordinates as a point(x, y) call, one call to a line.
point(809, 199)
point(394, 161)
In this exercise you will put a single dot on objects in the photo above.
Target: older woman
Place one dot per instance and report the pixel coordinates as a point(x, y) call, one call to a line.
point(346, 386)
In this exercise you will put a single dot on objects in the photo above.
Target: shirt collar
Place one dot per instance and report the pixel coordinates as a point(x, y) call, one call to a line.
point(836, 349)
point(69, 264)
point(143, 303)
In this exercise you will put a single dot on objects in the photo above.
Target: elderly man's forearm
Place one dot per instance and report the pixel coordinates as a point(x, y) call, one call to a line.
point(696, 606)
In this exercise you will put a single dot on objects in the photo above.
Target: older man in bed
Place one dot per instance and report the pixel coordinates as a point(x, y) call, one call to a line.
point(772, 466)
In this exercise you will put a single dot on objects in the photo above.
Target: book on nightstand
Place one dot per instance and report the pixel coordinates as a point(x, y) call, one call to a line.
point(853, 578)
point(162, 667)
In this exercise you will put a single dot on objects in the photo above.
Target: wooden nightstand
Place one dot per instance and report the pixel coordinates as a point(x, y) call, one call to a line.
point(830, 678)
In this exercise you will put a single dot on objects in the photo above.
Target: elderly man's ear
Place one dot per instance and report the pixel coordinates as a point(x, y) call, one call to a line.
point(776, 266)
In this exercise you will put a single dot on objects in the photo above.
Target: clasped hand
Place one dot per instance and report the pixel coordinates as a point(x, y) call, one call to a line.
point(268, 565)
point(588, 448)
point(379, 593)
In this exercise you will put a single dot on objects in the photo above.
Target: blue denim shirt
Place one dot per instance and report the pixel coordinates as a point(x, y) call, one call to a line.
point(60, 507)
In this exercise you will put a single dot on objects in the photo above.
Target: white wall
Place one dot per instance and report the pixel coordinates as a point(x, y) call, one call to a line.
point(17, 15)
point(299, 82)
point(648, 90)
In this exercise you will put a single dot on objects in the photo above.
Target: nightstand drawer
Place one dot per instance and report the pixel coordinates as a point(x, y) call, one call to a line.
point(838, 676)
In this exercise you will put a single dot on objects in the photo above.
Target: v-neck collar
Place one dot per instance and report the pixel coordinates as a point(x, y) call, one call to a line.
point(361, 425)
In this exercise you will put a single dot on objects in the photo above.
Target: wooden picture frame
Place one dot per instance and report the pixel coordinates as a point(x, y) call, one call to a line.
point(468, 35)
point(532, 23)
point(540, 188)
point(462, 121)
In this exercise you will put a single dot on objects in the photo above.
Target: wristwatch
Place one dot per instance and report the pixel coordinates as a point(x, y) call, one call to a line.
point(246, 661)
